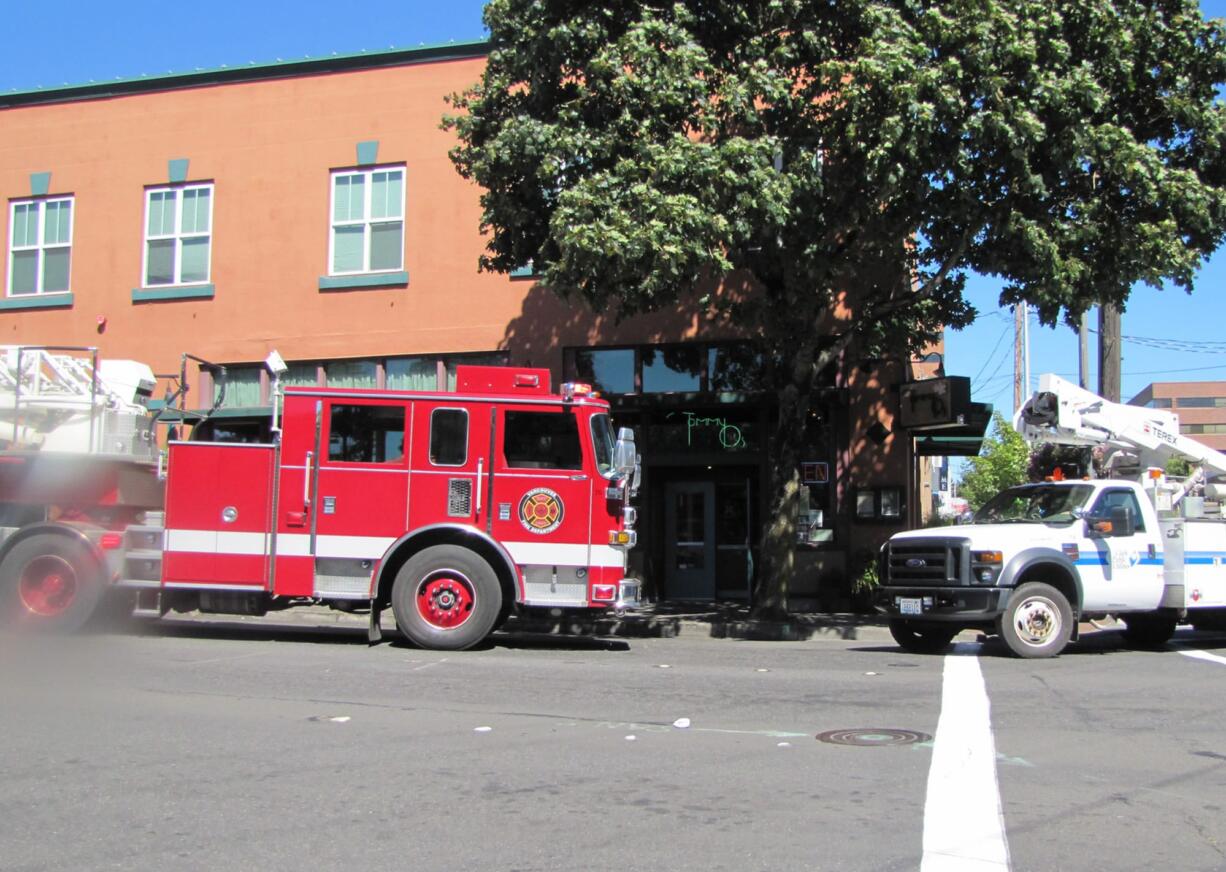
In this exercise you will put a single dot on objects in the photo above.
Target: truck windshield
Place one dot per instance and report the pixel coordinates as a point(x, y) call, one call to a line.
point(602, 441)
point(1035, 503)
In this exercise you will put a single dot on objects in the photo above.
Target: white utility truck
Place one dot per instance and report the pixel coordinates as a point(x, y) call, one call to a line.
point(1039, 558)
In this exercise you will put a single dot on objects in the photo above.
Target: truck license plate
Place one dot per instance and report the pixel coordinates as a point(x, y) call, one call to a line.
point(910, 605)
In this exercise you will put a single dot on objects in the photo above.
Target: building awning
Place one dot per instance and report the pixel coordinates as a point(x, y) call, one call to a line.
point(964, 440)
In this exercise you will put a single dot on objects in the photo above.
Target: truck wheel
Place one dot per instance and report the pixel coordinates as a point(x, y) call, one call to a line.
point(1038, 622)
point(446, 598)
point(920, 638)
point(49, 583)
point(1149, 629)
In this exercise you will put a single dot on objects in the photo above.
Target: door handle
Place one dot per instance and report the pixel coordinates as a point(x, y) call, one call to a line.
point(306, 480)
point(480, 463)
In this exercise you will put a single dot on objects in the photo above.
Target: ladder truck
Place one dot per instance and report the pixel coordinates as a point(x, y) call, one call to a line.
point(1039, 558)
point(453, 508)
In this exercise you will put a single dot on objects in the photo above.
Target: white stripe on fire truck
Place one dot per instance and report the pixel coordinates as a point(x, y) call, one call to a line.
point(557, 554)
point(374, 547)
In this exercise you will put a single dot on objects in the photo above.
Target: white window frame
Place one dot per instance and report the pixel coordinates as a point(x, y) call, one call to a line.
point(40, 246)
point(177, 235)
point(366, 222)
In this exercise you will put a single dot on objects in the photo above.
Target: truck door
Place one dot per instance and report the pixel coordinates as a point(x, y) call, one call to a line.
point(541, 506)
point(360, 491)
point(1131, 568)
point(450, 457)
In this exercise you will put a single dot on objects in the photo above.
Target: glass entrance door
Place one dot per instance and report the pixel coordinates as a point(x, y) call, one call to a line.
point(689, 545)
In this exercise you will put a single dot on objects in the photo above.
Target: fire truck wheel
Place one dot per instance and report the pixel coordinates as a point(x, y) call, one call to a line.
point(1038, 622)
point(446, 598)
point(921, 638)
point(48, 583)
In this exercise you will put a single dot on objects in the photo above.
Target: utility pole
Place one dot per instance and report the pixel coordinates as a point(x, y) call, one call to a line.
point(1083, 352)
point(1109, 352)
point(1019, 356)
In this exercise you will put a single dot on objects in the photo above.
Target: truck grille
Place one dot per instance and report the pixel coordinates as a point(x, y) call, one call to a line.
point(927, 561)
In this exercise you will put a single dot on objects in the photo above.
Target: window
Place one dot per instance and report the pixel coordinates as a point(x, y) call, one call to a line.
point(40, 246)
point(448, 437)
point(366, 434)
point(178, 235)
point(1201, 402)
point(542, 440)
point(367, 221)
point(351, 374)
point(882, 504)
point(673, 369)
point(244, 387)
point(1159, 403)
point(608, 370)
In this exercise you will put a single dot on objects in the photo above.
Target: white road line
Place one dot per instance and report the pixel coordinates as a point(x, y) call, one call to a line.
point(1205, 655)
point(964, 825)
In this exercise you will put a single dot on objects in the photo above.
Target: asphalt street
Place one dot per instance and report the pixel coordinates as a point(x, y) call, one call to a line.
point(194, 745)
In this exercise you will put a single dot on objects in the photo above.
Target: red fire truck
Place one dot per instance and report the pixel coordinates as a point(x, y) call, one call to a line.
point(454, 508)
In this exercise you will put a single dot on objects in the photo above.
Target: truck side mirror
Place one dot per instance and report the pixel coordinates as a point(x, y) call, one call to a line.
point(624, 454)
point(1122, 521)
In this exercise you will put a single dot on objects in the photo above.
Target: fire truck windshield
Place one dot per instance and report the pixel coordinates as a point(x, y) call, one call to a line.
point(602, 442)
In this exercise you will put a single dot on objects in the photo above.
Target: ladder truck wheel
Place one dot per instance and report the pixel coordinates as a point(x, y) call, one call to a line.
point(446, 598)
point(1038, 622)
point(1149, 629)
point(49, 583)
point(921, 638)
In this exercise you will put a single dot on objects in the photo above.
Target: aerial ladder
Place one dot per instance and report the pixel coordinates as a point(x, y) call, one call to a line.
point(63, 399)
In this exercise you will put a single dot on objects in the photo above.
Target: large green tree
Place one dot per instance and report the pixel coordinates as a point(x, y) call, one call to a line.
point(859, 155)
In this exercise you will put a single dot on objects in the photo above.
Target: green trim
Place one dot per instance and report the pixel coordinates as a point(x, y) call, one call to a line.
point(176, 170)
point(37, 301)
point(396, 57)
point(179, 292)
point(194, 415)
point(40, 184)
point(368, 152)
point(366, 280)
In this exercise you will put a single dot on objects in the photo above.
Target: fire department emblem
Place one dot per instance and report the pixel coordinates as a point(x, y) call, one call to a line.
point(541, 511)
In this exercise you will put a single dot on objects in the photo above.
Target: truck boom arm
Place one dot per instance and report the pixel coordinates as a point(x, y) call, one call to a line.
point(1062, 413)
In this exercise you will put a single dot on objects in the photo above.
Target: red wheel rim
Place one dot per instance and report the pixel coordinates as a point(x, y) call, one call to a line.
point(445, 600)
point(48, 585)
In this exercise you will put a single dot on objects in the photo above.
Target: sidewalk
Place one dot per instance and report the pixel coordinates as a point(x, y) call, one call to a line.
point(716, 620)
point(654, 620)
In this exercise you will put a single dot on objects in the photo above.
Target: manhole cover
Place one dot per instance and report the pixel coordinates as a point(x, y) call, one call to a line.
point(872, 737)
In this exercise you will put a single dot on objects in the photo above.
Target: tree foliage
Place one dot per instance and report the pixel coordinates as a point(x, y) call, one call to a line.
point(861, 156)
point(1002, 462)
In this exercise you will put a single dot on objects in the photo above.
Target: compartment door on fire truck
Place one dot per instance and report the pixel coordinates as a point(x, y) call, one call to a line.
point(1130, 568)
point(360, 504)
point(542, 501)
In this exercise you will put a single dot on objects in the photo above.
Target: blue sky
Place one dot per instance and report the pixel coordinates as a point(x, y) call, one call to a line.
point(1169, 335)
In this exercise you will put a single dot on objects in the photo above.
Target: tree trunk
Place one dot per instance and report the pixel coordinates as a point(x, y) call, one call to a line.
point(778, 569)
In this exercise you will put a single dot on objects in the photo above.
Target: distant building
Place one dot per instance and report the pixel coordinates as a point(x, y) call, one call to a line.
point(1200, 405)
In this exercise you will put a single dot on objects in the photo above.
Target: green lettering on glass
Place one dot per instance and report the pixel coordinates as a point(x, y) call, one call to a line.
point(730, 436)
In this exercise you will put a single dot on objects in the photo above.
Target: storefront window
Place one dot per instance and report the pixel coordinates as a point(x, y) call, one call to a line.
point(673, 369)
point(607, 370)
point(242, 387)
point(350, 374)
point(735, 368)
point(412, 374)
point(720, 430)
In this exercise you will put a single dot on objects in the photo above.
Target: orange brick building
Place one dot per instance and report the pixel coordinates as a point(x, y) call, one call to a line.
point(311, 208)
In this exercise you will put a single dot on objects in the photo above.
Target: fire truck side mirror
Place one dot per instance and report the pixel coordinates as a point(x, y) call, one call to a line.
point(624, 455)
